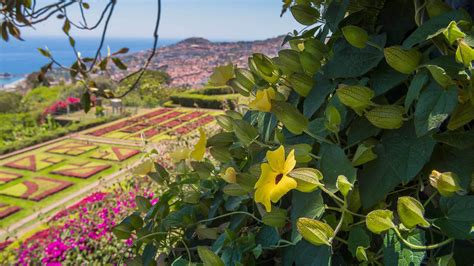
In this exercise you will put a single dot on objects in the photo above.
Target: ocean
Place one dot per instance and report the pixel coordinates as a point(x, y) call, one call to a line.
point(22, 57)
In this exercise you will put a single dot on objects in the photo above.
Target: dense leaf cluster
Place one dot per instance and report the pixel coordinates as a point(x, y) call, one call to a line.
point(373, 105)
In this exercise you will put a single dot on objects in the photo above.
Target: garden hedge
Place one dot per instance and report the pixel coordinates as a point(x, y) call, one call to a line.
point(357, 148)
point(212, 98)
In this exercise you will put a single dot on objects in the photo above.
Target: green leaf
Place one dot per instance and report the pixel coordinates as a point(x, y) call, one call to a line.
point(318, 95)
point(119, 63)
point(433, 107)
point(432, 27)
point(333, 163)
point(122, 231)
point(307, 254)
point(457, 139)
point(291, 118)
point(309, 205)
point(275, 218)
point(401, 156)
point(335, 13)
point(208, 257)
point(143, 204)
point(244, 131)
point(358, 236)
point(385, 78)
point(349, 61)
point(304, 14)
point(396, 253)
point(458, 208)
point(416, 85)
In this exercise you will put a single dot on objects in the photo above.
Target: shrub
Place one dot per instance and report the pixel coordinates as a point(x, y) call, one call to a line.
point(9, 102)
point(357, 149)
point(41, 97)
point(205, 101)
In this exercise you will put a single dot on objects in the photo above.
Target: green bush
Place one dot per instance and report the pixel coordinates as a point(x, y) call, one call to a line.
point(9, 102)
point(357, 149)
point(41, 97)
point(219, 101)
point(214, 90)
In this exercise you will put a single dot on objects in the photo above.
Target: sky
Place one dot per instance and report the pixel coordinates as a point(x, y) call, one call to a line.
point(211, 19)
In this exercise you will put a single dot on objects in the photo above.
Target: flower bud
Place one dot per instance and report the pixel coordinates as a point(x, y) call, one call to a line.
point(144, 167)
point(230, 176)
point(310, 63)
point(315, 232)
point(263, 66)
point(464, 54)
point(275, 218)
point(301, 83)
point(386, 116)
point(356, 36)
point(343, 185)
point(291, 60)
point(446, 183)
point(356, 97)
point(411, 212)
point(404, 61)
point(379, 221)
point(453, 33)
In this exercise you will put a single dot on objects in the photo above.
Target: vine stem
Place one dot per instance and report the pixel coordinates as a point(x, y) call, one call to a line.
point(416, 247)
point(316, 137)
point(430, 198)
point(332, 195)
point(152, 234)
point(374, 45)
point(229, 214)
point(344, 209)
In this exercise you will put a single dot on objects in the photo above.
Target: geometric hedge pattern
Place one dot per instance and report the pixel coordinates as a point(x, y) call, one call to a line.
point(6, 177)
point(7, 210)
point(73, 148)
point(86, 159)
point(164, 121)
point(36, 188)
point(34, 162)
point(84, 169)
point(114, 153)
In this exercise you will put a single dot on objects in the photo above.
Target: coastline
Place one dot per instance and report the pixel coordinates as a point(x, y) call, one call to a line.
point(12, 85)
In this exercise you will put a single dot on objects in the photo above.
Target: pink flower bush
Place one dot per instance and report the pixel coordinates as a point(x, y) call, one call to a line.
point(82, 233)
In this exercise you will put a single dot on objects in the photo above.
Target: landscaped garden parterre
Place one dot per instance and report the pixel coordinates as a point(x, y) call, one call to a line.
point(160, 124)
point(32, 180)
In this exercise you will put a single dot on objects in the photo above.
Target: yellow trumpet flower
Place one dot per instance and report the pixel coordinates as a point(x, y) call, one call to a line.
point(263, 100)
point(274, 181)
point(197, 153)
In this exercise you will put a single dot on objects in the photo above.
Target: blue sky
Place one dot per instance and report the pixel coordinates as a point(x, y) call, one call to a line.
point(212, 19)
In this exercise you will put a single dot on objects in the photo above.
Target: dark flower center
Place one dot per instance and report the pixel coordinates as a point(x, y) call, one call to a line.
point(278, 178)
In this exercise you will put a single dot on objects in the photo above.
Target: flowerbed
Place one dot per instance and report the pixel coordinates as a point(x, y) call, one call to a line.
point(81, 234)
point(36, 188)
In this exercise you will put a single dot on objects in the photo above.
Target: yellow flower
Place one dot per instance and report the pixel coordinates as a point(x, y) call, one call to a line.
point(200, 147)
point(197, 153)
point(263, 100)
point(230, 176)
point(181, 154)
point(274, 181)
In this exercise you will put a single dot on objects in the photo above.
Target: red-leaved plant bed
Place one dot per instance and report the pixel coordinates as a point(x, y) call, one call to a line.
point(7, 210)
point(81, 169)
point(36, 188)
point(6, 177)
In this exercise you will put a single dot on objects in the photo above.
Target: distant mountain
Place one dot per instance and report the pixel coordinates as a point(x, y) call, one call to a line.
point(190, 62)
